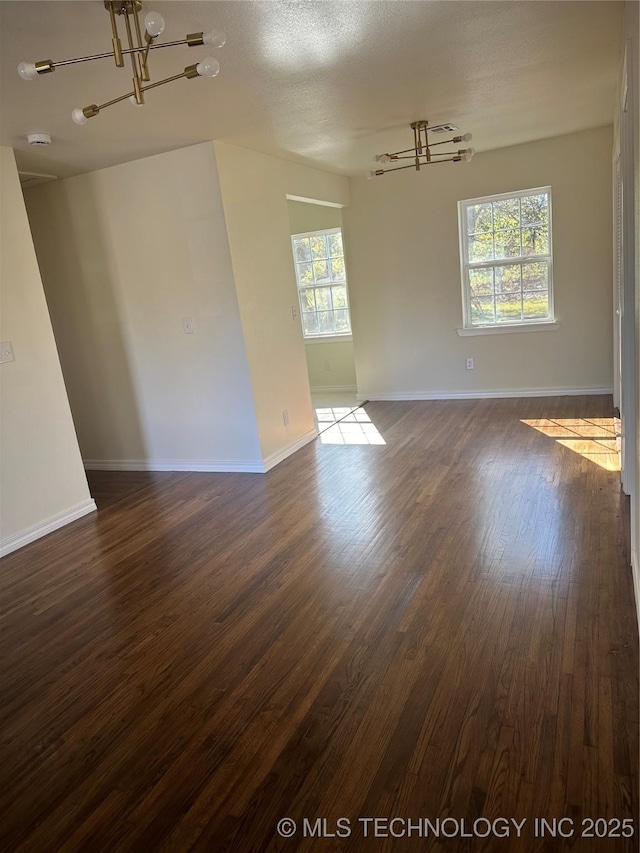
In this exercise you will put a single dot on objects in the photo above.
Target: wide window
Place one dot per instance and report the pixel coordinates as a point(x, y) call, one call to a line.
point(506, 259)
point(322, 283)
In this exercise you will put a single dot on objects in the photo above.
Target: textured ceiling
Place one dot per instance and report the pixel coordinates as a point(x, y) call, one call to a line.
point(323, 82)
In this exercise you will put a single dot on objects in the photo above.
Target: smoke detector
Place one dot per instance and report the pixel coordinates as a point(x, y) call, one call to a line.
point(38, 139)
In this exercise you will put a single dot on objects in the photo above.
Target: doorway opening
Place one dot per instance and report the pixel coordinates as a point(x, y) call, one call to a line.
point(322, 281)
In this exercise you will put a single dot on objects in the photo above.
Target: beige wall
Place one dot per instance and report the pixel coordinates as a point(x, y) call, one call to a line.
point(312, 217)
point(254, 189)
point(126, 253)
point(42, 480)
point(401, 236)
point(330, 364)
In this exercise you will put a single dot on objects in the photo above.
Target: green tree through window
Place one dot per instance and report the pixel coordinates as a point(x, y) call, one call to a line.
point(322, 283)
point(505, 248)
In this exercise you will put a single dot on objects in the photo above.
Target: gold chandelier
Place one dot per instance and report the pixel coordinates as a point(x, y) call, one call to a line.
point(422, 154)
point(139, 47)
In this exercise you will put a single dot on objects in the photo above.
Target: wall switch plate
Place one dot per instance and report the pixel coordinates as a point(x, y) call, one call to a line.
point(294, 312)
point(469, 364)
point(285, 417)
point(187, 326)
point(6, 352)
point(327, 364)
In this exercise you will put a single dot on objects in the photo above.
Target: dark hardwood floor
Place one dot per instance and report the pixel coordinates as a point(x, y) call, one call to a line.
point(441, 626)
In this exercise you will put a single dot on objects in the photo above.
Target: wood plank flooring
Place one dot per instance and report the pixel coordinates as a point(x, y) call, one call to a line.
point(438, 627)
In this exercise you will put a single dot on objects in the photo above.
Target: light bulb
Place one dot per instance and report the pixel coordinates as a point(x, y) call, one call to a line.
point(154, 23)
point(381, 158)
point(209, 67)
point(371, 175)
point(132, 100)
point(27, 70)
point(78, 116)
point(466, 137)
point(216, 38)
point(468, 154)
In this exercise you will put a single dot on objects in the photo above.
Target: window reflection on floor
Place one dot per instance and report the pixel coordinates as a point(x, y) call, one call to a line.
point(593, 438)
point(337, 425)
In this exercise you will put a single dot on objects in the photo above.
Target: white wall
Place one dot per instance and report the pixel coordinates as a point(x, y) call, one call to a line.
point(330, 364)
point(42, 481)
point(401, 237)
point(126, 253)
point(254, 188)
point(631, 40)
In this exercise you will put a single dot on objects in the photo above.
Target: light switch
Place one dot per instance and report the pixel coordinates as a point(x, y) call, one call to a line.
point(6, 352)
point(187, 326)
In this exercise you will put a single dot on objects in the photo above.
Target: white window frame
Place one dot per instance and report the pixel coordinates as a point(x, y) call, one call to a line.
point(330, 336)
point(544, 323)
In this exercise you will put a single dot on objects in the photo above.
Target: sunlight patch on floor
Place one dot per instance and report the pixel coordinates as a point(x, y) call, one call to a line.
point(352, 427)
point(593, 438)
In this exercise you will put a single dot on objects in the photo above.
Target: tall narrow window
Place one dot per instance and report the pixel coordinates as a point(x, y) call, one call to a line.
point(506, 258)
point(322, 283)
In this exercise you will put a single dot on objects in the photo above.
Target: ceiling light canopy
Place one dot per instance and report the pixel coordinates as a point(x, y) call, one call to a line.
point(139, 46)
point(422, 154)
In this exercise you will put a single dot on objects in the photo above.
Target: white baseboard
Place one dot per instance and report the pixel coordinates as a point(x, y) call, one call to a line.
point(333, 389)
point(210, 465)
point(635, 571)
point(54, 522)
point(272, 460)
point(481, 395)
point(239, 466)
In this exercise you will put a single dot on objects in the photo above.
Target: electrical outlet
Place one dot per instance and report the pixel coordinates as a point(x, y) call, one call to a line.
point(294, 313)
point(6, 352)
point(187, 326)
point(285, 417)
point(469, 364)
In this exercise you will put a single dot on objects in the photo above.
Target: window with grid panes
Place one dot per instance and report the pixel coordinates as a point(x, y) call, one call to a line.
point(322, 283)
point(506, 258)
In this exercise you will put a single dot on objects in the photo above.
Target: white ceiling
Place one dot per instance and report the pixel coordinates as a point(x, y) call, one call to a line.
point(324, 82)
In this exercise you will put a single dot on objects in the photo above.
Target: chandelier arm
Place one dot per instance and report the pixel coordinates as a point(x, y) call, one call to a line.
point(408, 156)
point(424, 163)
point(137, 87)
point(143, 54)
point(396, 169)
point(185, 73)
point(115, 38)
point(441, 142)
point(144, 89)
point(115, 101)
point(188, 41)
point(406, 151)
point(144, 58)
point(433, 154)
point(50, 65)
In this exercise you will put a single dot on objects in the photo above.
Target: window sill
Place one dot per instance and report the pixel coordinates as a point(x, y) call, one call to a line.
point(551, 326)
point(328, 339)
